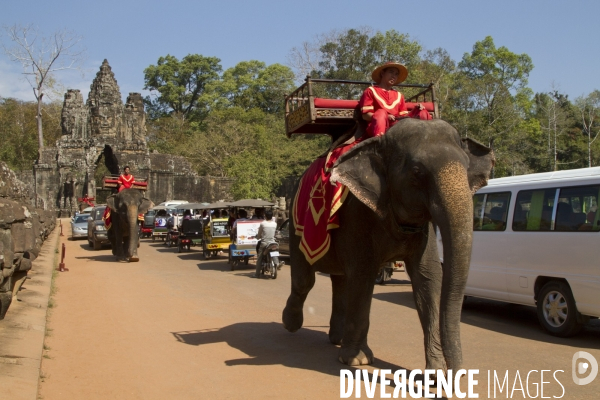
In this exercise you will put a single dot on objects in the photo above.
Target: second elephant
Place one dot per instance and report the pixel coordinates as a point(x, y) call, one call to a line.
point(124, 233)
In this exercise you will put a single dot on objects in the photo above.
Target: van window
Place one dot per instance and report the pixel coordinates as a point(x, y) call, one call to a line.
point(576, 210)
point(490, 211)
point(533, 210)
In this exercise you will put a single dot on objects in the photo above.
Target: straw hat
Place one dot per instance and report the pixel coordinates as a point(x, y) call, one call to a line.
point(403, 72)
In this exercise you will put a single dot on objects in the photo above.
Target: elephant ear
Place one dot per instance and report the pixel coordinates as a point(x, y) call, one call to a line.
point(111, 202)
point(145, 204)
point(481, 162)
point(362, 170)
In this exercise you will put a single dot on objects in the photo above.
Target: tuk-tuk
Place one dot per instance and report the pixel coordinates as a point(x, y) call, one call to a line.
point(216, 236)
point(245, 241)
point(184, 235)
point(190, 234)
point(160, 228)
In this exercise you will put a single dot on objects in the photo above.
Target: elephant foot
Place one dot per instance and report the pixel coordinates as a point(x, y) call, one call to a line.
point(335, 336)
point(354, 357)
point(134, 259)
point(292, 320)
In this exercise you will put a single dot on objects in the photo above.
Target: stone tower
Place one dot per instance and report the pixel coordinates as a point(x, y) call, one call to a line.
point(104, 130)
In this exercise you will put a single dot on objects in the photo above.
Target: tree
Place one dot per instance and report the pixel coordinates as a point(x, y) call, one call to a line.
point(253, 84)
point(352, 55)
point(40, 58)
point(181, 85)
point(589, 109)
point(438, 68)
point(491, 94)
point(553, 112)
point(18, 130)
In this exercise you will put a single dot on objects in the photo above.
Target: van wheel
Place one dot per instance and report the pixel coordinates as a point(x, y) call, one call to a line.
point(557, 311)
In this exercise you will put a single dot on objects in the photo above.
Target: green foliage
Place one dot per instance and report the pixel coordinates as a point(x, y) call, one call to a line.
point(353, 54)
point(18, 131)
point(181, 85)
point(249, 145)
point(253, 84)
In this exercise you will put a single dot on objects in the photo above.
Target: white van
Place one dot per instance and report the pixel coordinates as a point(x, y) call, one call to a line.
point(536, 241)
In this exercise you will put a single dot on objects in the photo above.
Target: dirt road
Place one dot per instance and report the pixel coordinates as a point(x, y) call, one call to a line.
point(174, 326)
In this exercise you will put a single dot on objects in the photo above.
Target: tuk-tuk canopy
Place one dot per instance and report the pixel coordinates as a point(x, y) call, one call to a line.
point(193, 206)
point(219, 204)
point(252, 203)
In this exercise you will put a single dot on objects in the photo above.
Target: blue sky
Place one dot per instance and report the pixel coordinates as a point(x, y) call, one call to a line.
point(562, 38)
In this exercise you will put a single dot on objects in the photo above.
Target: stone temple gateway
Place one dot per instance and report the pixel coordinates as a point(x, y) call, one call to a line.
point(102, 135)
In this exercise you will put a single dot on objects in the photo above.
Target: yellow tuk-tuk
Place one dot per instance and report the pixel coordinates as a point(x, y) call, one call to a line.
point(216, 232)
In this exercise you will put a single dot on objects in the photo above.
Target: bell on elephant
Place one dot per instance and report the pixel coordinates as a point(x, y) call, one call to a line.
point(123, 231)
point(399, 185)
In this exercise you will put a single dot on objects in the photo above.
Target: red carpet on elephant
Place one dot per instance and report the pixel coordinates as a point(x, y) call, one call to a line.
point(316, 203)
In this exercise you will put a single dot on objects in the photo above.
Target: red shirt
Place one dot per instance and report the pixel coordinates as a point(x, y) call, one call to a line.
point(375, 98)
point(126, 181)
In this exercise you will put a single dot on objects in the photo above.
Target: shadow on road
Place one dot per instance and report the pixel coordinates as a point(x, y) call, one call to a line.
point(215, 265)
point(87, 247)
point(509, 319)
point(268, 343)
point(100, 257)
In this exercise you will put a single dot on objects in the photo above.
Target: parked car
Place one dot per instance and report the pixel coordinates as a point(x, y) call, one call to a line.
point(79, 226)
point(282, 236)
point(96, 230)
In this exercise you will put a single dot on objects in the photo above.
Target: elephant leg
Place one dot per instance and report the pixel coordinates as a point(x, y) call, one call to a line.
point(113, 241)
point(358, 295)
point(126, 246)
point(118, 239)
point(426, 280)
point(303, 280)
point(338, 309)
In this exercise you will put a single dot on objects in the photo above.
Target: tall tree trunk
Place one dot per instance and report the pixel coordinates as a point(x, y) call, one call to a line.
point(38, 117)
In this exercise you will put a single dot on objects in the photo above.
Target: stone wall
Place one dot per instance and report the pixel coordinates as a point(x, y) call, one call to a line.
point(23, 229)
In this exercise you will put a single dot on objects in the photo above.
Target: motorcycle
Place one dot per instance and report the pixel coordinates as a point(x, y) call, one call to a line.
point(270, 260)
point(386, 270)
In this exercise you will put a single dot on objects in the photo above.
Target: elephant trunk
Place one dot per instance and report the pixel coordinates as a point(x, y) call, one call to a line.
point(132, 214)
point(453, 215)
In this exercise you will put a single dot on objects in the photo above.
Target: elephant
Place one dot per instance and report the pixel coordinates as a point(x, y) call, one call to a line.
point(418, 177)
point(123, 233)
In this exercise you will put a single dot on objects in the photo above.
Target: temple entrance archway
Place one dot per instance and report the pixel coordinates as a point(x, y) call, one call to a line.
point(106, 164)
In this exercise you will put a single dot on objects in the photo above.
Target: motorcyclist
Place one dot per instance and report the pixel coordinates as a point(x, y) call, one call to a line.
point(266, 232)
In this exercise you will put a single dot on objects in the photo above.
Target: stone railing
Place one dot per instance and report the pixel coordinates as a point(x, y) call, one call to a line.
point(23, 230)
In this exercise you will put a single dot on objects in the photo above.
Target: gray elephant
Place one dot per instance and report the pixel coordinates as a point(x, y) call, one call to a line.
point(123, 233)
point(419, 174)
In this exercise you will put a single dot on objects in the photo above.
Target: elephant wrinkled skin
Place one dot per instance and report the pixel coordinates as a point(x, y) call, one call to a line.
point(420, 174)
point(124, 234)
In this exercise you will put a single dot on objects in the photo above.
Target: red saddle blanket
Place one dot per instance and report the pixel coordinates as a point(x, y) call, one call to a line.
point(316, 204)
point(107, 219)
